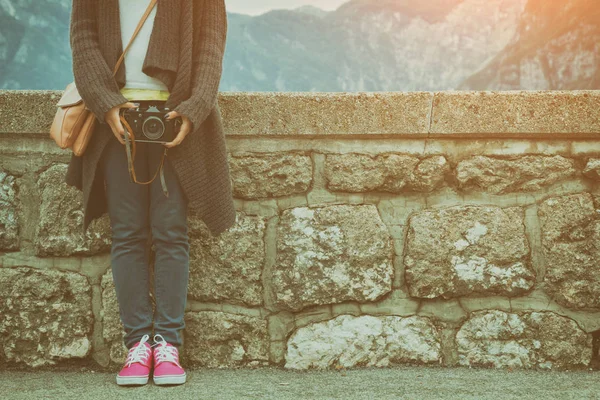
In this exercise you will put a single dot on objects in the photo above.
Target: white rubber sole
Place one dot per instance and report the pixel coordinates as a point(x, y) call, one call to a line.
point(169, 379)
point(132, 380)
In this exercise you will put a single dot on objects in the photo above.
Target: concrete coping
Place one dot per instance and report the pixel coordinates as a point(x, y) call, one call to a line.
point(446, 114)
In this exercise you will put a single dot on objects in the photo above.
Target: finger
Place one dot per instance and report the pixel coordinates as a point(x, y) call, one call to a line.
point(170, 144)
point(116, 134)
point(129, 104)
point(173, 143)
point(178, 139)
point(120, 129)
point(183, 132)
point(111, 124)
point(119, 137)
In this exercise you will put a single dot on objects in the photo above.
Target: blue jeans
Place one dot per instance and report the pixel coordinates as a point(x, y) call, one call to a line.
point(139, 216)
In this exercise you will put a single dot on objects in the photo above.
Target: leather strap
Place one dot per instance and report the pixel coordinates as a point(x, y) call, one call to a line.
point(130, 150)
point(137, 29)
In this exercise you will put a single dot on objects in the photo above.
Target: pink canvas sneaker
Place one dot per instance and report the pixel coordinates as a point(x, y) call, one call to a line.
point(167, 370)
point(136, 369)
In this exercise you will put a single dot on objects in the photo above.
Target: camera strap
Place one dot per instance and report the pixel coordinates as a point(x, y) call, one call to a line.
point(130, 150)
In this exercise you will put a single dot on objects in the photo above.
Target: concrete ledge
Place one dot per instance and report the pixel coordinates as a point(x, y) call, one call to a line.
point(546, 114)
point(551, 113)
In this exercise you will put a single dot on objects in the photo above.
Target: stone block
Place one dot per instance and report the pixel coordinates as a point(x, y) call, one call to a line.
point(331, 254)
point(470, 249)
point(365, 341)
point(270, 175)
point(516, 112)
point(394, 173)
point(333, 113)
point(216, 339)
point(9, 224)
point(592, 169)
point(45, 316)
point(228, 267)
point(112, 328)
point(515, 174)
point(570, 239)
point(525, 340)
point(59, 231)
point(17, 115)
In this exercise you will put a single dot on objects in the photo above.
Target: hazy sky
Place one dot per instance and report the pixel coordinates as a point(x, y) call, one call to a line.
point(254, 7)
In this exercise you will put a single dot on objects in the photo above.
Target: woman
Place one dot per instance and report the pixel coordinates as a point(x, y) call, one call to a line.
point(175, 62)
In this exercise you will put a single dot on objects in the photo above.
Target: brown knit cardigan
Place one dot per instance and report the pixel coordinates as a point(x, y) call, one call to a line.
point(186, 53)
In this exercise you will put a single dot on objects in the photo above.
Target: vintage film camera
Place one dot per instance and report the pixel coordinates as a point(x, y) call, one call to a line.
point(149, 124)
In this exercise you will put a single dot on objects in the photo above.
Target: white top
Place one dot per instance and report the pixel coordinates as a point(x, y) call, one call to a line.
point(131, 11)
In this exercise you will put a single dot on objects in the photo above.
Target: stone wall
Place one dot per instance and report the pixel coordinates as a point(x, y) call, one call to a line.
point(373, 229)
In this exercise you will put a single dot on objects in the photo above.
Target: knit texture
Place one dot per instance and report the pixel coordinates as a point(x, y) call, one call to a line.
point(185, 52)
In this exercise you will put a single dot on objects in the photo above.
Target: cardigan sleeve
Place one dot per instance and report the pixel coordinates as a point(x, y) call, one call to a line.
point(93, 77)
point(209, 48)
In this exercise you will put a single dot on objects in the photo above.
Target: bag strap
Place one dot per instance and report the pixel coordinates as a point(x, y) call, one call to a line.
point(137, 29)
point(130, 150)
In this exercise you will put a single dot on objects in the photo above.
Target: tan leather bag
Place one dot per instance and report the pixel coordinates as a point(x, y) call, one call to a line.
point(74, 123)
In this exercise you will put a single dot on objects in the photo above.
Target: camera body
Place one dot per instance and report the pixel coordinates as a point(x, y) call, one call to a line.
point(149, 124)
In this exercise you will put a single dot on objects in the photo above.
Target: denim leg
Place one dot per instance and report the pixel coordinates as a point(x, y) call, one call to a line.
point(168, 221)
point(127, 204)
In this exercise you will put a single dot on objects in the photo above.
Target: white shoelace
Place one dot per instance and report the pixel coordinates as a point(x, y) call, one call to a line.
point(138, 353)
point(164, 352)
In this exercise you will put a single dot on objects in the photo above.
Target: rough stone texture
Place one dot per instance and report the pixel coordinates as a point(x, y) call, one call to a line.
point(516, 112)
point(393, 173)
point(45, 315)
point(9, 224)
point(452, 113)
point(522, 173)
point(461, 250)
point(335, 113)
point(270, 175)
point(571, 244)
point(331, 254)
point(59, 231)
point(228, 267)
point(229, 271)
point(223, 340)
point(17, 115)
point(112, 328)
point(529, 340)
point(592, 169)
point(367, 341)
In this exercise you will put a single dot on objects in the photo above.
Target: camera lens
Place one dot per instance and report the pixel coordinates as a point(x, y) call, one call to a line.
point(153, 128)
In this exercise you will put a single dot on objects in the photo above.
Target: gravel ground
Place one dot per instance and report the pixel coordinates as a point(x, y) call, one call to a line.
point(278, 383)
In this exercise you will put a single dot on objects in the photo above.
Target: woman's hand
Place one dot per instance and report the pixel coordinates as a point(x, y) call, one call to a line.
point(186, 127)
point(112, 119)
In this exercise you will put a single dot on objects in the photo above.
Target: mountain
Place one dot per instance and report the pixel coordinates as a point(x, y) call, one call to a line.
point(556, 46)
point(431, 11)
point(369, 45)
point(312, 10)
point(34, 44)
point(363, 45)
